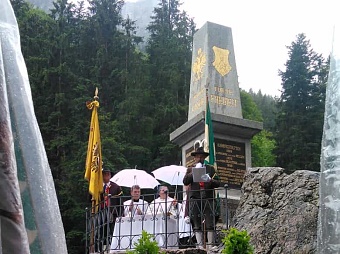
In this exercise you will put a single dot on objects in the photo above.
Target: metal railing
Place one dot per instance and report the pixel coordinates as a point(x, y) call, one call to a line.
point(171, 225)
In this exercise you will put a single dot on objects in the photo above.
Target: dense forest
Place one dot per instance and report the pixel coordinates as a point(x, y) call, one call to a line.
point(144, 95)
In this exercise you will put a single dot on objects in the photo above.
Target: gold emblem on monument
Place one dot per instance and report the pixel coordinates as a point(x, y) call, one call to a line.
point(197, 67)
point(221, 62)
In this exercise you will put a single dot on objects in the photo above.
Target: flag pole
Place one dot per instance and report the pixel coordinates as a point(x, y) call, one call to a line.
point(207, 149)
point(206, 99)
point(92, 225)
point(206, 132)
point(93, 201)
point(93, 167)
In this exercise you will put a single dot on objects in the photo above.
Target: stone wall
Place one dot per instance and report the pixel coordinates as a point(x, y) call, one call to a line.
point(279, 211)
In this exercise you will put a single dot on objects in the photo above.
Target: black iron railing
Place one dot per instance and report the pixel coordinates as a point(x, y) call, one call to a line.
point(171, 223)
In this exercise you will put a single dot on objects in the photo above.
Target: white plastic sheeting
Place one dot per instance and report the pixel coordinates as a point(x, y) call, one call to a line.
point(329, 186)
point(43, 221)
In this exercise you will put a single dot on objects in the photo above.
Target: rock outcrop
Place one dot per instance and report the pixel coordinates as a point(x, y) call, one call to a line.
point(279, 211)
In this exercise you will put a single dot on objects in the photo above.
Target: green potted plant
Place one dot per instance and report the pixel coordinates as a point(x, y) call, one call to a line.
point(145, 245)
point(237, 242)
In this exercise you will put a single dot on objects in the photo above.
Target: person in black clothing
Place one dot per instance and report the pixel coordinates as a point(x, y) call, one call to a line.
point(110, 209)
point(201, 198)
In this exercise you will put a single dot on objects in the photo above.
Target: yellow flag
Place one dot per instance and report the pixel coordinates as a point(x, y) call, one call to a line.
point(93, 168)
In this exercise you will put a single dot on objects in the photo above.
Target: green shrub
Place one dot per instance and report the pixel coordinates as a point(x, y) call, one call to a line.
point(237, 242)
point(145, 245)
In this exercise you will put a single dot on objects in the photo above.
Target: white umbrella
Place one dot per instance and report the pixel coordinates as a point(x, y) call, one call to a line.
point(172, 174)
point(130, 177)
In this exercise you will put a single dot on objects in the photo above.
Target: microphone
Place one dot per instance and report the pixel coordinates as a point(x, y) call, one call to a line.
point(166, 191)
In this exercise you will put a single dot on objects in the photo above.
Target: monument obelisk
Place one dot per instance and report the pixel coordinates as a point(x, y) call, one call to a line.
point(214, 69)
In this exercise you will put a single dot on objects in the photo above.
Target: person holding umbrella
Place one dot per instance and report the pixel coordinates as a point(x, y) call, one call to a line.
point(110, 208)
point(201, 198)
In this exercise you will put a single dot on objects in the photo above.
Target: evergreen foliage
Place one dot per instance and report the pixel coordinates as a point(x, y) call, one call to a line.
point(263, 143)
point(263, 147)
point(301, 107)
point(169, 51)
point(249, 108)
point(267, 106)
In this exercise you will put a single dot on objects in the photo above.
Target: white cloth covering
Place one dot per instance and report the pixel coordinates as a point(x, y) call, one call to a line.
point(141, 204)
point(128, 231)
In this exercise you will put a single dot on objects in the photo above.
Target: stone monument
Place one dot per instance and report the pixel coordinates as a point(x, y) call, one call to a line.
point(214, 75)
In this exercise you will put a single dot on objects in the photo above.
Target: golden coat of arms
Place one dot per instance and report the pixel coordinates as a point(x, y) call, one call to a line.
point(221, 62)
point(197, 67)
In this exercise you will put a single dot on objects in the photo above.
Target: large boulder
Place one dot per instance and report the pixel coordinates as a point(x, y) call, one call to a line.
point(279, 210)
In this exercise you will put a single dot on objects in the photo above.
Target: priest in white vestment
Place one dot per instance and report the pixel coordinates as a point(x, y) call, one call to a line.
point(164, 203)
point(135, 205)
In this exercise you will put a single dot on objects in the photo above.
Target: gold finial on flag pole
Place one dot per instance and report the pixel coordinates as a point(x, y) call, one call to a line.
point(96, 94)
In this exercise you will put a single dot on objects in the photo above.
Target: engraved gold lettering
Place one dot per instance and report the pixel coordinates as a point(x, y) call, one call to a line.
point(230, 159)
point(199, 93)
point(199, 104)
point(223, 90)
point(221, 100)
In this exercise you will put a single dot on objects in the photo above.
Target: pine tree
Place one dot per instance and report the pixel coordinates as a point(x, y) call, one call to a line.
point(262, 144)
point(267, 106)
point(105, 50)
point(300, 107)
point(169, 49)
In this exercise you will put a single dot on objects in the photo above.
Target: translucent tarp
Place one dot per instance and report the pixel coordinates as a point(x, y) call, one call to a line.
point(329, 186)
point(27, 156)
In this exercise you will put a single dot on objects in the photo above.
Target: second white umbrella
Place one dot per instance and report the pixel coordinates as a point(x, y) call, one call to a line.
point(172, 174)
